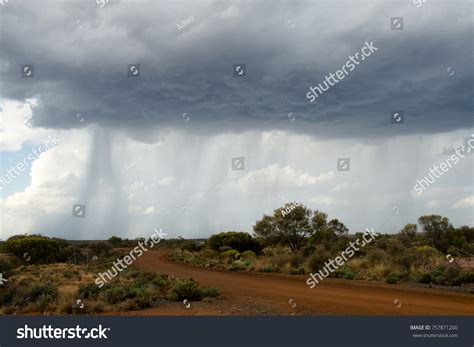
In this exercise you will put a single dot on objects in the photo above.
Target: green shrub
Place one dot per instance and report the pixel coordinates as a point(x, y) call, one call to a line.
point(237, 266)
point(38, 249)
point(425, 256)
point(112, 293)
point(176, 256)
point(394, 277)
point(88, 291)
point(41, 294)
point(317, 260)
point(235, 240)
point(144, 277)
point(44, 291)
point(248, 255)
point(229, 256)
point(453, 276)
point(439, 271)
point(230, 253)
point(161, 281)
point(440, 280)
point(210, 292)
point(343, 272)
point(192, 246)
point(6, 296)
point(445, 276)
point(141, 297)
point(454, 251)
point(185, 289)
point(468, 276)
point(348, 275)
point(189, 290)
point(425, 277)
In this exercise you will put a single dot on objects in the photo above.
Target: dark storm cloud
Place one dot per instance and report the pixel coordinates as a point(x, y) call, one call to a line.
point(81, 51)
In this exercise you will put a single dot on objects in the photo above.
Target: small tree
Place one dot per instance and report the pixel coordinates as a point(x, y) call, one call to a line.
point(326, 233)
point(115, 241)
point(264, 230)
point(337, 227)
point(407, 234)
point(436, 229)
point(468, 233)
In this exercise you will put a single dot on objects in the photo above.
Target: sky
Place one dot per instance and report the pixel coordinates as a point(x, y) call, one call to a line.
point(157, 149)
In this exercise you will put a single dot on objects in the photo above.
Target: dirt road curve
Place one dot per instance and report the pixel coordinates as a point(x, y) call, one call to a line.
point(285, 294)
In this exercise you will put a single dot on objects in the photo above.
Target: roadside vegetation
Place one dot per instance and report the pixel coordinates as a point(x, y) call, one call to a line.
point(52, 276)
point(431, 252)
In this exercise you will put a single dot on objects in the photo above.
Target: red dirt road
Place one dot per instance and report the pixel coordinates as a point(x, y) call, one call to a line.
point(259, 293)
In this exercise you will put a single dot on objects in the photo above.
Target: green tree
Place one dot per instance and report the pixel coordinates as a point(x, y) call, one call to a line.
point(468, 233)
point(264, 230)
point(436, 229)
point(337, 227)
point(407, 234)
point(115, 241)
point(326, 233)
point(290, 224)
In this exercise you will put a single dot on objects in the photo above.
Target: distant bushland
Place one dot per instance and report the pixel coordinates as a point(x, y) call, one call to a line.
point(37, 249)
point(238, 241)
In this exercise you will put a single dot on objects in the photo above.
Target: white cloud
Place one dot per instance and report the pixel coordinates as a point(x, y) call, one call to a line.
point(126, 202)
point(15, 125)
point(275, 175)
point(329, 200)
point(465, 203)
point(54, 187)
point(135, 210)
